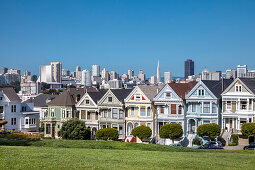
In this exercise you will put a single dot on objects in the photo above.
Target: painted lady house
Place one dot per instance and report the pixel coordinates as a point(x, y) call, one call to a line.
point(238, 104)
point(112, 110)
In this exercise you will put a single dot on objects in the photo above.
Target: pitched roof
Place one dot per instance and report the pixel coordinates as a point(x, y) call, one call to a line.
point(10, 93)
point(151, 91)
point(96, 96)
point(181, 89)
point(67, 97)
point(250, 83)
point(121, 94)
point(217, 87)
point(41, 100)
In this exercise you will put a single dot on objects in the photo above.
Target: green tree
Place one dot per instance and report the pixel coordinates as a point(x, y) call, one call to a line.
point(75, 129)
point(107, 133)
point(142, 132)
point(172, 131)
point(248, 129)
point(211, 130)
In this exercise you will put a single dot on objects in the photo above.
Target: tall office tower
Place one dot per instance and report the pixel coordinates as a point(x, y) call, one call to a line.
point(27, 73)
point(96, 70)
point(130, 74)
point(113, 75)
point(206, 75)
point(65, 73)
point(168, 77)
point(12, 71)
point(241, 71)
point(105, 75)
point(141, 75)
point(86, 78)
point(78, 73)
point(56, 71)
point(230, 74)
point(158, 74)
point(45, 73)
point(189, 68)
point(153, 80)
point(4, 70)
point(78, 68)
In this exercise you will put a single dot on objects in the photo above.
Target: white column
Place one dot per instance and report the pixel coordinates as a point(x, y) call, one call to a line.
point(211, 107)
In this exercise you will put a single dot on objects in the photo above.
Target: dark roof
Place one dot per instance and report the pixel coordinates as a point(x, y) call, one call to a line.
point(181, 89)
point(250, 83)
point(151, 91)
point(68, 97)
point(121, 94)
point(96, 96)
point(10, 93)
point(217, 87)
point(41, 100)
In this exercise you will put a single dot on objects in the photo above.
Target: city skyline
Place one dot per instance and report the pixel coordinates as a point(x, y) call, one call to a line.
point(113, 34)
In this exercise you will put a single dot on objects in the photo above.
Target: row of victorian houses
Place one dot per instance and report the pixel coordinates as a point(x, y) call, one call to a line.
point(229, 103)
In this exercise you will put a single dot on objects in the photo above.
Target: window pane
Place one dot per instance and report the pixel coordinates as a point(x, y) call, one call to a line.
point(114, 113)
point(148, 111)
point(173, 108)
point(206, 107)
point(132, 111)
point(142, 112)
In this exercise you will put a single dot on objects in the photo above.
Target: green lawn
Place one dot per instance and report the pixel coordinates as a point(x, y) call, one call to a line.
point(50, 154)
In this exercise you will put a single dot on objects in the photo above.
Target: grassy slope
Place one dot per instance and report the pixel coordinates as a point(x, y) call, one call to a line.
point(24, 157)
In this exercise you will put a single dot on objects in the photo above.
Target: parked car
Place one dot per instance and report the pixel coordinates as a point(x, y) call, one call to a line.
point(175, 144)
point(251, 146)
point(211, 145)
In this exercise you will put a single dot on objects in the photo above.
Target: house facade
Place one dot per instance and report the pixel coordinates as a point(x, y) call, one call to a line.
point(238, 104)
point(112, 110)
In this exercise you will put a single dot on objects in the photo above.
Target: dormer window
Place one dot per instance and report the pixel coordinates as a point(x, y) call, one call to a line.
point(168, 94)
point(109, 99)
point(238, 88)
point(1, 98)
point(24, 108)
point(87, 101)
point(201, 92)
point(138, 96)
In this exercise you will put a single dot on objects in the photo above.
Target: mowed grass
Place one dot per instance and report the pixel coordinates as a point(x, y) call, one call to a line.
point(30, 157)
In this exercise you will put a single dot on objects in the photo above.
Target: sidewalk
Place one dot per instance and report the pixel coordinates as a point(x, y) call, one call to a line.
point(238, 147)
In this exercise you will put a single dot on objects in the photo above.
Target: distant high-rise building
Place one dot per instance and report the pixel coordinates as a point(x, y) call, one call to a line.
point(96, 70)
point(158, 74)
point(105, 75)
point(206, 75)
point(241, 71)
point(113, 75)
point(130, 74)
point(56, 71)
point(141, 75)
point(78, 68)
point(115, 84)
point(27, 73)
point(65, 73)
point(86, 78)
point(12, 71)
point(153, 80)
point(4, 70)
point(45, 73)
point(189, 68)
point(168, 77)
point(230, 74)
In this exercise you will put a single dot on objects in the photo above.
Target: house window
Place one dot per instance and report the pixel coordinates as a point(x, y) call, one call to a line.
point(180, 109)
point(96, 115)
point(1, 109)
point(109, 99)
point(243, 105)
point(88, 115)
point(121, 114)
point(115, 126)
point(238, 88)
point(250, 104)
point(206, 121)
point(137, 96)
point(83, 114)
point(68, 112)
point(63, 113)
point(214, 108)
point(173, 108)
point(149, 125)
point(52, 113)
point(142, 111)
point(13, 108)
point(120, 130)
point(168, 94)
point(1, 98)
point(148, 111)
point(87, 101)
point(194, 108)
point(229, 105)
point(115, 113)
point(27, 121)
point(162, 110)
point(24, 109)
point(105, 113)
point(47, 128)
point(13, 121)
point(201, 92)
point(206, 107)
point(132, 111)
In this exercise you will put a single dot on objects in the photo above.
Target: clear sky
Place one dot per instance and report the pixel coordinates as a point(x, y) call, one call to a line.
point(131, 34)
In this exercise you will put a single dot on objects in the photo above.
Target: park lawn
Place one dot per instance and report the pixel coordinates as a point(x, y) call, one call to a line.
point(33, 157)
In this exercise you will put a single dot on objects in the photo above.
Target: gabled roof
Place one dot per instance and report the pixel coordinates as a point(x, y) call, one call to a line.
point(41, 100)
point(217, 87)
point(10, 93)
point(181, 89)
point(67, 97)
point(121, 94)
point(151, 91)
point(250, 83)
point(96, 96)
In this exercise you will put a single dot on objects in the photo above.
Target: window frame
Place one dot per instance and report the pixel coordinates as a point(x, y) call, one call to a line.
point(142, 108)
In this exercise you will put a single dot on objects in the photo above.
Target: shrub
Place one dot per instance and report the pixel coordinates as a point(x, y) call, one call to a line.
point(75, 129)
point(248, 129)
point(172, 131)
point(107, 133)
point(142, 132)
point(197, 141)
point(234, 140)
point(211, 130)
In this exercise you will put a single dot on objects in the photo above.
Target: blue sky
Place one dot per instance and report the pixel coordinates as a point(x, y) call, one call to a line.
point(132, 34)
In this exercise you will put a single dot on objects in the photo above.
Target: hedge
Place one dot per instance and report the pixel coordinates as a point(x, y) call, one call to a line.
point(142, 132)
point(248, 129)
point(107, 134)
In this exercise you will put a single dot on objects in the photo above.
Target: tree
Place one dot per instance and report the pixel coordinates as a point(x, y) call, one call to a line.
point(248, 129)
point(172, 131)
point(211, 130)
point(107, 133)
point(75, 129)
point(142, 132)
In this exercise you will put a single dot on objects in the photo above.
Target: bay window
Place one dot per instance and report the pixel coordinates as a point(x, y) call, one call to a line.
point(142, 111)
point(206, 107)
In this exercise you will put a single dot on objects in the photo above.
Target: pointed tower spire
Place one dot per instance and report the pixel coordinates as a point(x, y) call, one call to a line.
point(158, 74)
